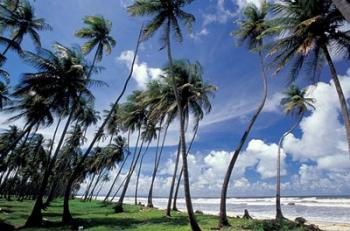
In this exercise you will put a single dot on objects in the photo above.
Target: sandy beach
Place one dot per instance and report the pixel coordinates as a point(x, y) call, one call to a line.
point(329, 226)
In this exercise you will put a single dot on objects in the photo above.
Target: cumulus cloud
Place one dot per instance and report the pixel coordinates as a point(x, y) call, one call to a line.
point(323, 134)
point(142, 72)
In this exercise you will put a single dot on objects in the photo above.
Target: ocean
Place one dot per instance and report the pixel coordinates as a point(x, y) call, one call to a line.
point(322, 209)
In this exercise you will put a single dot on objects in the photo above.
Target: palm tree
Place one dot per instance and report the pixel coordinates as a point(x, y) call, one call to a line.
point(310, 29)
point(148, 134)
point(134, 118)
point(97, 31)
point(344, 7)
point(194, 94)
point(250, 31)
point(67, 217)
point(159, 100)
point(196, 126)
point(61, 79)
point(35, 110)
point(296, 103)
point(21, 21)
point(167, 14)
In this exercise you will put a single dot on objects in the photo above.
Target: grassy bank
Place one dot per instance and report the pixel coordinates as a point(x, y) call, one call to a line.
point(97, 216)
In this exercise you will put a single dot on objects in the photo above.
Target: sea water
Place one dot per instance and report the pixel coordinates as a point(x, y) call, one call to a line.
point(323, 209)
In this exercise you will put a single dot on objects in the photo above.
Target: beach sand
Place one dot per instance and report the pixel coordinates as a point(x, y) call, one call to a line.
point(329, 226)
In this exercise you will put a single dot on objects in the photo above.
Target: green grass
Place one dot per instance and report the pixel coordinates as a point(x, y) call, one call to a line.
point(96, 216)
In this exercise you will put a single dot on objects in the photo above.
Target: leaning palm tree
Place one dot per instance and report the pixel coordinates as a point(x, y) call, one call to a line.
point(67, 217)
point(22, 21)
point(194, 94)
point(250, 31)
point(310, 30)
point(296, 103)
point(166, 15)
point(134, 119)
point(62, 79)
point(148, 134)
point(97, 31)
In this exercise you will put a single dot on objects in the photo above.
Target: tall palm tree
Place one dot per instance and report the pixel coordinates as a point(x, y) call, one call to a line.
point(194, 94)
point(250, 31)
point(97, 31)
point(310, 29)
point(134, 119)
point(196, 126)
point(67, 217)
point(22, 21)
point(62, 79)
point(148, 134)
point(344, 7)
point(167, 14)
point(296, 103)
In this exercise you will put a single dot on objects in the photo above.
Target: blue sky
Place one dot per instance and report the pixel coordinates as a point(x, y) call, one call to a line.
point(316, 161)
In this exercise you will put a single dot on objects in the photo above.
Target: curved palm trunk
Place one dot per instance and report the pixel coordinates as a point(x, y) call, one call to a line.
point(191, 216)
point(120, 186)
point(119, 205)
point(36, 217)
point(168, 208)
point(115, 179)
point(223, 221)
point(155, 170)
point(344, 8)
point(89, 186)
point(181, 172)
point(342, 100)
point(279, 214)
point(96, 183)
point(54, 136)
point(67, 217)
point(139, 172)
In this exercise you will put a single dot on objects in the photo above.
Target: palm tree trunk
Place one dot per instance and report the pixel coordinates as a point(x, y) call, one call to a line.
point(115, 179)
point(168, 208)
point(67, 217)
point(344, 8)
point(120, 186)
point(223, 221)
point(119, 205)
point(181, 172)
point(139, 171)
point(54, 135)
point(191, 216)
point(279, 214)
point(156, 166)
point(96, 183)
point(36, 217)
point(89, 186)
point(342, 100)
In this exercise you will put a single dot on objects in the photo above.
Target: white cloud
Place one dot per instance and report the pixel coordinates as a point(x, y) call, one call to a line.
point(142, 72)
point(243, 3)
point(323, 135)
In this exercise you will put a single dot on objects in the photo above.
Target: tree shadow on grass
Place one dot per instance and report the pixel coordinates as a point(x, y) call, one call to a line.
point(127, 223)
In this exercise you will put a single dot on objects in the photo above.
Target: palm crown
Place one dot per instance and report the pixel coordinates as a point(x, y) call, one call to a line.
point(295, 101)
point(307, 28)
point(166, 14)
point(97, 32)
